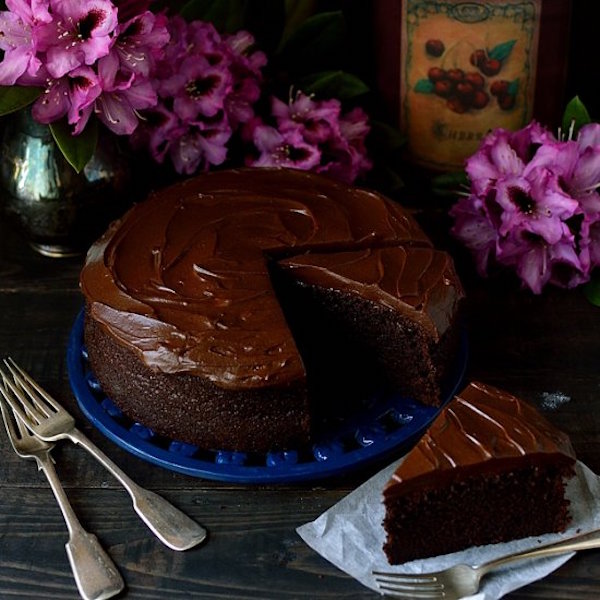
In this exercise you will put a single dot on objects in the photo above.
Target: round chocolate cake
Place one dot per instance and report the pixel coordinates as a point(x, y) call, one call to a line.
point(207, 303)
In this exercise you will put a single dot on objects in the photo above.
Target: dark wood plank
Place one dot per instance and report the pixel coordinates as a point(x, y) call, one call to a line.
point(22, 268)
point(253, 550)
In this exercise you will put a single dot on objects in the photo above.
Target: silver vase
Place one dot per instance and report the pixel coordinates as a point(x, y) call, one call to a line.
point(60, 211)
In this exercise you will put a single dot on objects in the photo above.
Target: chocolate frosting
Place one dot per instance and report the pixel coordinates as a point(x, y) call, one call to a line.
point(482, 429)
point(183, 279)
point(420, 282)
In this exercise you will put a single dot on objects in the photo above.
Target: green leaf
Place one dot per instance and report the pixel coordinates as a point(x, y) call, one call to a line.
point(575, 116)
point(502, 51)
point(77, 149)
point(591, 289)
point(15, 98)
point(296, 12)
point(424, 86)
point(449, 184)
point(513, 87)
point(317, 41)
point(333, 84)
point(226, 15)
point(386, 137)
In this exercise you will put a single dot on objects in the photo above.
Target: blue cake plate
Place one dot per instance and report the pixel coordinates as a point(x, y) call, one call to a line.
point(384, 427)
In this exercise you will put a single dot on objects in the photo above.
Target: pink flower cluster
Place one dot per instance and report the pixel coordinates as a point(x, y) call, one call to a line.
point(207, 85)
point(83, 57)
point(180, 89)
point(311, 135)
point(534, 206)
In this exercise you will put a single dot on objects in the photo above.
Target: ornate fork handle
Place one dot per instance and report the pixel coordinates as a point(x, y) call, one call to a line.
point(95, 574)
point(174, 528)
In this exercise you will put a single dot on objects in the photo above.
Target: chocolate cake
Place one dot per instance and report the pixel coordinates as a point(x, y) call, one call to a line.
point(193, 299)
point(490, 469)
point(371, 303)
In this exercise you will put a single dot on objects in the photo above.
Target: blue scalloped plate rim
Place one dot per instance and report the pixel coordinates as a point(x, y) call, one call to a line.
point(386, 427)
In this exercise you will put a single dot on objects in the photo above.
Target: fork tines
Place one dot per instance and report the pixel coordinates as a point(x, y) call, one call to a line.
point(409, 587)
point(27, 392)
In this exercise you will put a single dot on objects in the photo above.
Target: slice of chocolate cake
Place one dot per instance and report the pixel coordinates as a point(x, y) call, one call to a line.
point(394, 308)
point(490, 469)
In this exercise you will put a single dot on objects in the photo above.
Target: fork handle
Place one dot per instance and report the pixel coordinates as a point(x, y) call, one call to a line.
point(95, 573)
point(171, 526)
point(585, 541)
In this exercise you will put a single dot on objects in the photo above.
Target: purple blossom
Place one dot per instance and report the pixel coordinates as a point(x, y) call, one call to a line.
point(311, 134)
point(318, 121)
point(17, 40)
point(140, 41)
point(282, 149)
point(86, 60)
point(198, 88)
point(207, 85)
point(245, 66)
point(533, 206)
point(199, 148)
point(80, 33)
point(73, 95)
point(161, 126)
point(538, 263)
point(349, 154)
point(123, 95)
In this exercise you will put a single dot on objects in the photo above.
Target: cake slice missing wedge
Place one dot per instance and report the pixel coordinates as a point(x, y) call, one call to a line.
point(490, 469)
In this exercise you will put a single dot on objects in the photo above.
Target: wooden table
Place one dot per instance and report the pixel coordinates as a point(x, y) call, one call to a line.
point(529, 345)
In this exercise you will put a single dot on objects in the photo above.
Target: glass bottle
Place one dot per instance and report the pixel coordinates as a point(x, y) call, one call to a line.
point(451, 70)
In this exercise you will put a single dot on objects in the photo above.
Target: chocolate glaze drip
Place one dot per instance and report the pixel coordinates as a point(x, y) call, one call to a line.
point(183, 277)
point(483, 428)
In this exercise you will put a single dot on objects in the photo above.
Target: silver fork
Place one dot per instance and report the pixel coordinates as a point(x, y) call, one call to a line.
point(48, 420)
point(464, 580)
point(95, 573)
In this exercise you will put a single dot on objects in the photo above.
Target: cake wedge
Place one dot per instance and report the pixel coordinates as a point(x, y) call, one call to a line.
point(490, 469)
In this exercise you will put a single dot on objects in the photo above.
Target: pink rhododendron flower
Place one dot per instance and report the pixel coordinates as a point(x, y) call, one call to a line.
point(17, 40)
point(311, 134)
point(318, 121)
point(71, 95)
point(533, 205)
point(80, 32)
point(281, 149)
point(123, 94)
point(140, 41)
point(204, 145)
point(85, 60)
point(207, 85)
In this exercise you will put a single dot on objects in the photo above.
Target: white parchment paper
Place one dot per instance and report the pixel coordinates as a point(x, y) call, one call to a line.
point(351, 536)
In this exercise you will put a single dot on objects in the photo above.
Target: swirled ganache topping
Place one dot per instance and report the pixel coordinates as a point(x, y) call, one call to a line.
point(183, 278)
point(482, 428)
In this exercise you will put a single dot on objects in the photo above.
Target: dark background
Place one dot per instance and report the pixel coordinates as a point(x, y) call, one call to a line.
point(583, 69)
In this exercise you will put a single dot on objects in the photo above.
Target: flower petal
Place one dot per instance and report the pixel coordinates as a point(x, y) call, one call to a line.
point(14, 64)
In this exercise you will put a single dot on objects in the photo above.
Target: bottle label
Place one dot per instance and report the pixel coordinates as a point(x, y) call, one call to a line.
point(467, 67)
